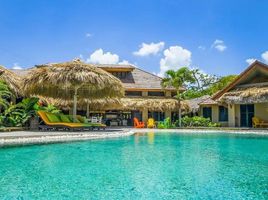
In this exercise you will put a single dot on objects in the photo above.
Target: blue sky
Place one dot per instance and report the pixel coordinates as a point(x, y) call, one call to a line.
point(216, 36)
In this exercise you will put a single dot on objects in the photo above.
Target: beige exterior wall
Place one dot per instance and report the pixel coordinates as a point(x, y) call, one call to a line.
point(168, 114)
point(168, 93)
point(261, 111)
point(145, 116)
point(231, 115)
point(144, 93)
point(237, 115)
point(215, 114)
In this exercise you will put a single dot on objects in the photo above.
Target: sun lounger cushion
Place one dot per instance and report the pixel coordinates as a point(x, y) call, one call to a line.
point(65, 118)
point(74, 119)
point(53, 118)
point(81, 119)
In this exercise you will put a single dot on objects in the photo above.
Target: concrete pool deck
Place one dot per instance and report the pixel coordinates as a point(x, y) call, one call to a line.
point(15, 138)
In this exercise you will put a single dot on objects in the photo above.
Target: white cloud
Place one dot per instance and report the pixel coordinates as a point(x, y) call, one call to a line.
point(101, 57)
point(219, 45)
point(264, 56)
point(148, 49)
point(124, 62)
point(250, 60)
point(202, 47)
point(89, 35)
point(174, 58)
point(17, 67)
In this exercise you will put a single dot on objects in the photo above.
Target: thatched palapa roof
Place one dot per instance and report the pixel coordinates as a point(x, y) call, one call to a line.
point(194, 103)
point(253, 94)
point(58, 80)
point(152, 104)
point(11, 79)
point(134, 103)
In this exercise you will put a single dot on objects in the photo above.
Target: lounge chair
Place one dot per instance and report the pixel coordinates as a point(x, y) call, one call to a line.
point(98, 125)
point(138, 124)
point(64, 122)
point(257, 122)
point(150, 123)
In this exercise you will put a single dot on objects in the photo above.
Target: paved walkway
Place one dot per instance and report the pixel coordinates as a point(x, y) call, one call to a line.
point(37, 137)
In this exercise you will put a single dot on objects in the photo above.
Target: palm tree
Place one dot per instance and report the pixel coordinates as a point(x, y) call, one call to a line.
point(178, 79)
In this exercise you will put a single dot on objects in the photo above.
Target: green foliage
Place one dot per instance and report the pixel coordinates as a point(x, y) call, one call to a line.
point(205, 84)
point(197, 121)
point(50, 108)
point(20, 113)
point(221, 83)
point(178, 79)
point(5, 94)
point(165, 124)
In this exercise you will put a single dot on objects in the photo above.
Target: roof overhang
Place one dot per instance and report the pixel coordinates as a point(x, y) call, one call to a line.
point(257, 65)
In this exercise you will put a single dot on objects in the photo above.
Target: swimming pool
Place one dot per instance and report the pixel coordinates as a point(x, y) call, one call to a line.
point(143, 166)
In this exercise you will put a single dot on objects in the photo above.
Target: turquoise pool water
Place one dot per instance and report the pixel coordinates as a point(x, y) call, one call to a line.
point(144, 166)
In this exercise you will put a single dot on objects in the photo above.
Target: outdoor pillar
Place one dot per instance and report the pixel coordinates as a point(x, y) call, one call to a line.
point(144, 93)
point(145, 115)
point(168, 114)
point(75, 104)
point(87, 114)
point(168, 93)
point(231, 115)
point(70, 111)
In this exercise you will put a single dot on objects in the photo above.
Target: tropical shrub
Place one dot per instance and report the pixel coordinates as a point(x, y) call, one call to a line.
point(20, 113)
point(165, 124)
point(49, 108)
point(5, 94)
point(197, 121)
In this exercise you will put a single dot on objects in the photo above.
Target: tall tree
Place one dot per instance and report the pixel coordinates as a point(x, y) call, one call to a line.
point(178, 79)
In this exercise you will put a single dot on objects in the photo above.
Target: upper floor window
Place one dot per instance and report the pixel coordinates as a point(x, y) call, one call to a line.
point(133, 93)
point(223, 114)
point(173, 94)
point(120, 75)
point(156, 94)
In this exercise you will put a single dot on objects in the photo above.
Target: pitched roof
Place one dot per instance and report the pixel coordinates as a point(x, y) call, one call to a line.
point(140, 79)
point(194, 103)
point(257, 65)
point(208, 101)
point(136, 79)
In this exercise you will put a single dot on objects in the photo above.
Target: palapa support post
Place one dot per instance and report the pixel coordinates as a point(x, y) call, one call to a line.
point(87, 114)
point(75, 104)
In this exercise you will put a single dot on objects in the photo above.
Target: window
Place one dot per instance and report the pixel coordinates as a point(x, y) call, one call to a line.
point(156, 94)
point(158, 116)
point(223, 114)
point(207, 112)
point(120, 75)
point(133, 93)
point(173, 94)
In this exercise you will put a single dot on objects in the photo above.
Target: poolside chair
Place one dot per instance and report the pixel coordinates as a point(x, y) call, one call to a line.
point(65, 122)
point(257, 122)
point(138, 124)
point(150, 123)
point(95, 124)
point(54, 122)
point(94, 120)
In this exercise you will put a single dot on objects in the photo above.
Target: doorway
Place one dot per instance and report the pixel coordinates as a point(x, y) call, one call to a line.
point(246, 114)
